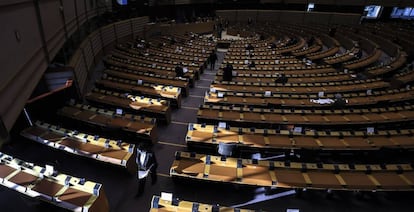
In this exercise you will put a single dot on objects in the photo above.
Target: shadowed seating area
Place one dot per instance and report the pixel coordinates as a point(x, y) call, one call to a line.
point(249, 105)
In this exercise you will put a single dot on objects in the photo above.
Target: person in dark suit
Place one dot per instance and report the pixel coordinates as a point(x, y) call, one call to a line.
point(228, 72)
point(213, 59)
point(147, 165)
point(282, 79)
point(179, 72)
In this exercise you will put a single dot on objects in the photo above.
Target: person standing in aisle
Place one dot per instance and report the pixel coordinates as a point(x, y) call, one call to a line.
point(147, 165)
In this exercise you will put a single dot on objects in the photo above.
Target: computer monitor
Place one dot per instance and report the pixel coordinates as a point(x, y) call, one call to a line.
point(122, 2)
point(372, 11)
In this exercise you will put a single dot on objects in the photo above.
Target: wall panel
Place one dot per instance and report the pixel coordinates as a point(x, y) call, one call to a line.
point(268, 16)
point(52, 25)
point(244, 15)
point(139, 25)
point(108, 34)
point(317, 18)
point(229, 15)
point(17, 21)
point(291, 16)
point(70, 15)
point(80, 4)
point(123, 28)
point(343, 18)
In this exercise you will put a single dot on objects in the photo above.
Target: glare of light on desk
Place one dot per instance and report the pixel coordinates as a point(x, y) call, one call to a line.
point(260, 196)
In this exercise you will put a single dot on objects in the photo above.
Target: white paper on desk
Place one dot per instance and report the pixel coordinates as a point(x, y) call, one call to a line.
point(222, 125)
point(166, 196)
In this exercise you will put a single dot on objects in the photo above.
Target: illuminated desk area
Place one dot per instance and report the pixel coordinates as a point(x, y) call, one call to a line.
point(43, 183)
point(91, 146)
point(279, 174)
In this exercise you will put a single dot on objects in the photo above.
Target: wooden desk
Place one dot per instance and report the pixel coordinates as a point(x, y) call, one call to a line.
point(291, 175)
point(170, 93)
point(268, 139)
point(62, 190)
point(137, 125)
point(138, 105)
point(78, 143)
point(160, 205)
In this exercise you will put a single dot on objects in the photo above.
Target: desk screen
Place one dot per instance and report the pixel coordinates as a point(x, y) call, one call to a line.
point(372, 11)
point(122, 2)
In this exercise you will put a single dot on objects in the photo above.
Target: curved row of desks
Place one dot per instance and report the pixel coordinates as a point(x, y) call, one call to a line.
point(269, 100)
point(162, 205)
point(170, 93)
point(357, 177)
point(139, 105)
point(261, 117)
point(268, 139)
point(183, 84)
point(65, 191)
point(94, 147)
point(140, 127)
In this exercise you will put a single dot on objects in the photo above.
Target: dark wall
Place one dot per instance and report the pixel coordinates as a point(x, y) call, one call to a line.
point(33, 31)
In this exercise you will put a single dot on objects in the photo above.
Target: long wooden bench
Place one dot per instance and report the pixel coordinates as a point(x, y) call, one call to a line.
point(293, 100)
point(151, 72)
point(394, 64)
point(260, 116)
point(65, 191)
point(139, 127)
point(305, 78)
point(74, 142)
point(201, 135)
point(340, 58)
point(129, 75)
point(300, 88)
point(138, 105)
point(169, 93)
point(357, 177)
point(298, 70)
point(363, 62)
point(154, 67)
point(161, 205)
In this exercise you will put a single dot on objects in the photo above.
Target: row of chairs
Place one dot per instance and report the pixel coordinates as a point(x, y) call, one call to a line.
point(276, 174)
point(283, 100)
point(114, 152)
point(201, 135)
point(169, 93)
point(48, 185)
point(115, 122)
point(160, 109)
